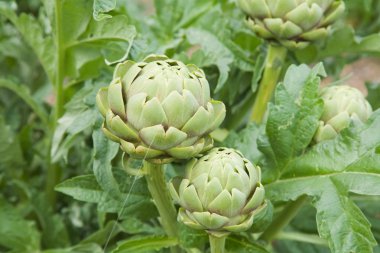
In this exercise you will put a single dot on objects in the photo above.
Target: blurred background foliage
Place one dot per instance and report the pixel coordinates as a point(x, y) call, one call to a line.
point(210, 34)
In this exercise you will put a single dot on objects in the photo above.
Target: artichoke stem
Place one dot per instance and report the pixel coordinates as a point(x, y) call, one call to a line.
point(155, 177)
point(283, 219)
point(273, 66)
point(217, 243)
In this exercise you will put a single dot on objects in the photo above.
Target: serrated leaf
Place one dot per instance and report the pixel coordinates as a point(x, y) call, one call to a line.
point(84, 188)
point(11, 156)
point(144, 244)
point(353, 150)
point(33, 34)
point(80, 116)
point(294, 115)
point(24, 93)
point(16, 233)
point(101, 7)
point(246, 142)
point(339, 220)
point(235, 244)
point(82, 248)
point(216, 51)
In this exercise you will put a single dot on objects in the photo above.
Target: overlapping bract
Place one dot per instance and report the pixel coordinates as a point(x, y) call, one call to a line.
point(221, 193)
point(341, 105)
point(293, 23)
point(159, 109)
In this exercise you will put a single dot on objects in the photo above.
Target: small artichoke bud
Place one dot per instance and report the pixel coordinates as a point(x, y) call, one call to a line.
point(221, 193)
point(341, 105)
point(292, 23)
point(159, 109)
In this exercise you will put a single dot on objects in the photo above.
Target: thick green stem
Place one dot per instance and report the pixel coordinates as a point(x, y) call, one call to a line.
point(155, 177)
point(283, 219)
point(274, 63)
point(217, 243)
point(53, 172)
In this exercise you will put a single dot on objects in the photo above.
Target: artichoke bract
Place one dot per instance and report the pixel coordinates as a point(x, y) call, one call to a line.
point(221, 192)
point(159, 109)
point(341, 105)
point(292, 23)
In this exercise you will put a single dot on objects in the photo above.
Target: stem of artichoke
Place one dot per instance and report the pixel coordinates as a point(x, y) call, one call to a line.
point(273, 66)
point(283, 219)
point(155, 177)
point(217, 243)
point(53, 172)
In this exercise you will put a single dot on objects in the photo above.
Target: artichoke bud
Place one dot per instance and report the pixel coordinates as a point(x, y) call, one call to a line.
point(159, 109)
point(221, 192)
point(341, 105)
point(292, 23)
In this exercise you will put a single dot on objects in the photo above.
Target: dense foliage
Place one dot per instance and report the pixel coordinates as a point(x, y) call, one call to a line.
point(66, 188)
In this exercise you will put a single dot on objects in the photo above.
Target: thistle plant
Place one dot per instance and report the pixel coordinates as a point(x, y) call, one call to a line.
point(286, 24)
point(342, 104)
point(221, 193)
point(292, 23)
point(159, 109)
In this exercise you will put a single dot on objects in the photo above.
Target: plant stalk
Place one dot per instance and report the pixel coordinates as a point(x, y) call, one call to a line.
point(283, 219)
point(217, 244)
point(53, 173)
point(155, 177)
point(273, 66)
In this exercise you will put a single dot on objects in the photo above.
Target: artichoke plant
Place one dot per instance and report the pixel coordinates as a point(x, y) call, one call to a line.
point(292, 23)
point(159, 109)
point(221, 193)
point(341, 105)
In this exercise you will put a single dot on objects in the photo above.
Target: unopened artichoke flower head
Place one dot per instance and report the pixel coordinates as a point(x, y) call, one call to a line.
point(341, 105)
point(292, 23)
point(221, 192)
point(159, 109)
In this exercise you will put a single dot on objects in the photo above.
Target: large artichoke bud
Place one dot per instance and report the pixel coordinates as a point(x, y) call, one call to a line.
point(341, 105)
point(221, 193)
point(159, 109)
point(293, 23)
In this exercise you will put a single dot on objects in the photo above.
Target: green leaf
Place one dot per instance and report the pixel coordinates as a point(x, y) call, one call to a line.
point(33, 34)
point(83, 248)
point(235, 244)
point(24, 93)
point(104, 151)
point(218, 54)
point(11, 156)
point(84, 188)
point(339, 220)
point(294, 115)
point(191, 238)
point(81, 115)
point(355, 149)
point(111, 39)
point(16, 233)
point(104, 234)
point(76, 16)
point(373, 95)
point(101, 7)
point(145, 244)
point(246, 142)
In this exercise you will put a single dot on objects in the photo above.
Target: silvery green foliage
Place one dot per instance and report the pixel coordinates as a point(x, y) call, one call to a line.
point(159, 109)
point(221, 193)
point(292, 23)
point(341, 105)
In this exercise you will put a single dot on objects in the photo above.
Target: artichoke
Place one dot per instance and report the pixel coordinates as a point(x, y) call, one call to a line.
point(341, 105)
point(292, 23)
point(159, 109)
point(221, 193)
